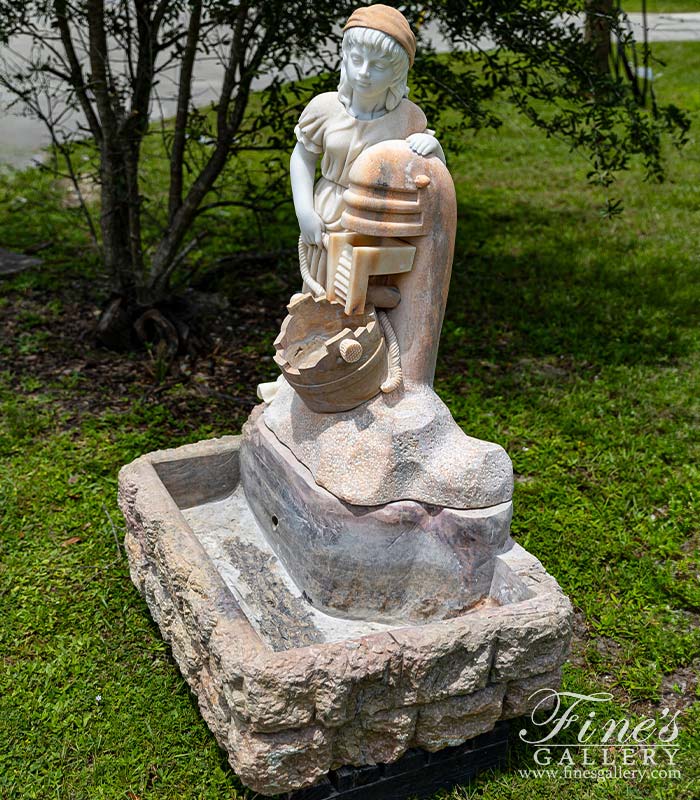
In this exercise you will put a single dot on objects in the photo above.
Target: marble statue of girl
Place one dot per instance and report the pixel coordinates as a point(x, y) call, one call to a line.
point(370, 106)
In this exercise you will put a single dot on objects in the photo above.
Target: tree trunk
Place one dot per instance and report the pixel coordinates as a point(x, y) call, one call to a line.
point(598, 15)
point(116, 217)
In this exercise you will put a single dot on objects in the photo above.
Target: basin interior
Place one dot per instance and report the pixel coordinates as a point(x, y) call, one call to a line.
point(207, 490)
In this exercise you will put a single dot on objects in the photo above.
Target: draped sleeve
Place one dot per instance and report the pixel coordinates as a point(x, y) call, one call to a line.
point(313, 122)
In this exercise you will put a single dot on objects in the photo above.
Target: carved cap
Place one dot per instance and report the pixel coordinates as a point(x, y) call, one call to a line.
point(388, 20)
point(393, 165)
point(392, 189)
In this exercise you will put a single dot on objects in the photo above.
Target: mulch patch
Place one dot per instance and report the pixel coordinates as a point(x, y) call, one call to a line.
point(54, 353)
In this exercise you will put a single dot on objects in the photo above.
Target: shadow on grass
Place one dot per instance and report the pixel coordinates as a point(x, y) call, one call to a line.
point(536, 283)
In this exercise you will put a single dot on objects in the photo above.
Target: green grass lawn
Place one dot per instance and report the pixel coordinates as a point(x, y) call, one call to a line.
point(661, 6)
point(570, 339)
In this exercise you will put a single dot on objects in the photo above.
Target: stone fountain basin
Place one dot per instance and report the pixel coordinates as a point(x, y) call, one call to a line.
point(291, 692)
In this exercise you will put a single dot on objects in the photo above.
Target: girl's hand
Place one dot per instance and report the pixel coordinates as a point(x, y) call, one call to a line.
point(424, 144)
point(312, 227)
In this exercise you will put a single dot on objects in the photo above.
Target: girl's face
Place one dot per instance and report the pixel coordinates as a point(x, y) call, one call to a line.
point(368, 71)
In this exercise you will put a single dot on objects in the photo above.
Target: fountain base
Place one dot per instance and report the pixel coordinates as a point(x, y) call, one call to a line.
point(291, 692)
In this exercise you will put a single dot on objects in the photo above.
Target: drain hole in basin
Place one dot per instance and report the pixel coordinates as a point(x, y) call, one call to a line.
point(275, 521)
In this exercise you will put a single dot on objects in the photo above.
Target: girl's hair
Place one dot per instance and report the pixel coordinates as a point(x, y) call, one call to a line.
point(386, 45)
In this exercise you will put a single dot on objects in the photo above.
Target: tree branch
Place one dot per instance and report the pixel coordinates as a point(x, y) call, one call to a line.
point(235, 61)
point(147, 32)
point(250, 205)
point(99, 64)
point(77, 80)
point(183, 106)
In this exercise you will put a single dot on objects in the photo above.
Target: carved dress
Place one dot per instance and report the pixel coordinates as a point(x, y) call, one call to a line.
point(326, 127)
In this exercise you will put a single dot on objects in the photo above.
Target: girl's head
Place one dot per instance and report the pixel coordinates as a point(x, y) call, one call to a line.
point(373, 64)
point(378, 49)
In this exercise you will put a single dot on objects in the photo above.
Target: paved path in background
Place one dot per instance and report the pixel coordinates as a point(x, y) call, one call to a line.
point(12, 263)
point(681, 27)
point(22, 138)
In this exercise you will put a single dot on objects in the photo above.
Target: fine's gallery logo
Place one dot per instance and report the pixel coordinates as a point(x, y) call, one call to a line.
point(574, 736)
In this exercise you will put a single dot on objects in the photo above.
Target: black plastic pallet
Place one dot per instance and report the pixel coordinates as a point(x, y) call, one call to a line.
point(417, 774)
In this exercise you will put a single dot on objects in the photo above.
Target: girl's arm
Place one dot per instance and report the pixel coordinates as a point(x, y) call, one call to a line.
point(302, 171)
